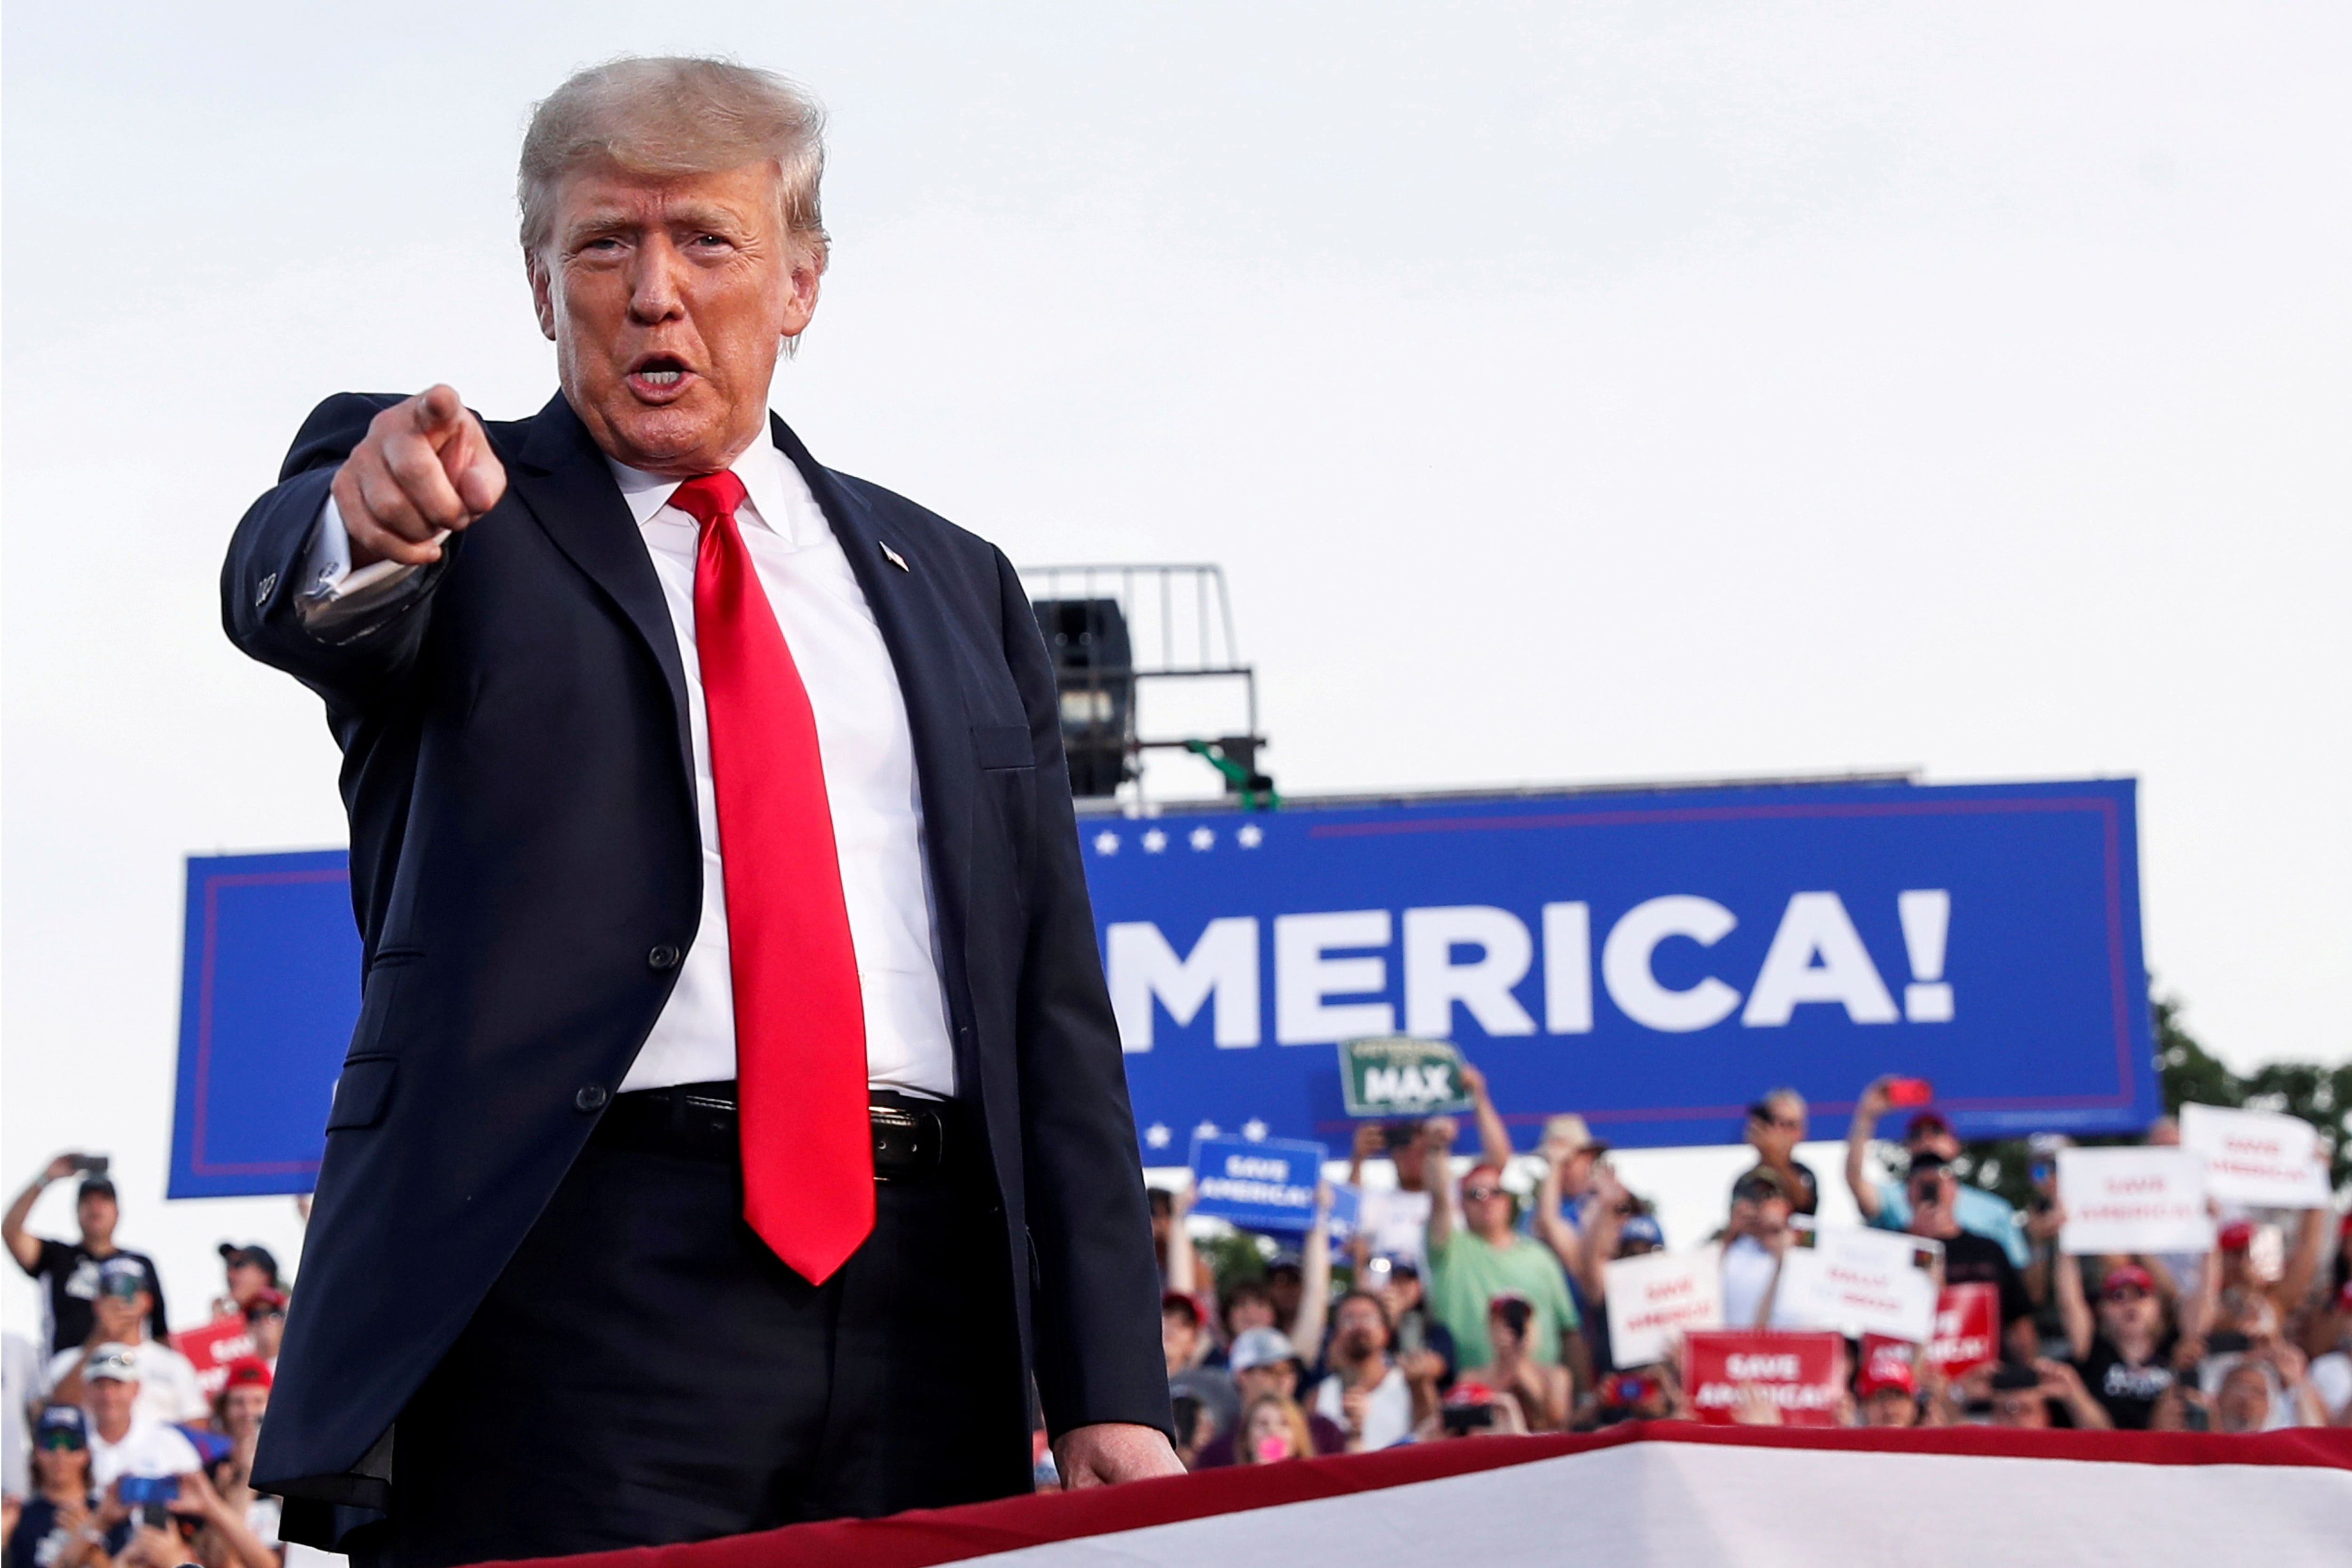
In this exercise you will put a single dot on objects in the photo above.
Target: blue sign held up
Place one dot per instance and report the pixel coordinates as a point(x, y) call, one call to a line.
point(1261, 1185)
point(1655, 961)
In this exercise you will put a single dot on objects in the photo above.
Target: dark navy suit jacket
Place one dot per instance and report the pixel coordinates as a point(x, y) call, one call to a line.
point(525, 864)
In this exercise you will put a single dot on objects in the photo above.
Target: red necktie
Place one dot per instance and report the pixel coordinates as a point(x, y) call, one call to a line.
point(800, 1021)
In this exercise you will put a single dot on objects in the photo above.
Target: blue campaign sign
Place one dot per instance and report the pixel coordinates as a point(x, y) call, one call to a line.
point(269, 990)
point(1257, 1184)
point(1655, 961)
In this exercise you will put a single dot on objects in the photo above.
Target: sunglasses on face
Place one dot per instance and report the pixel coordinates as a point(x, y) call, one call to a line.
point(62, 1443)
point(1480, 1194)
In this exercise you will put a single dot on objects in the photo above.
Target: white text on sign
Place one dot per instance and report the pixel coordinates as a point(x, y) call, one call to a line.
point(1328, 968)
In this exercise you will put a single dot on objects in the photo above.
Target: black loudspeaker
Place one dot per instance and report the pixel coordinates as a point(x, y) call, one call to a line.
point(1093, 671)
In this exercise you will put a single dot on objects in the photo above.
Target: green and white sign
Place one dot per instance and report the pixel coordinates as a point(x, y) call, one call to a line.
point(1400, 1075)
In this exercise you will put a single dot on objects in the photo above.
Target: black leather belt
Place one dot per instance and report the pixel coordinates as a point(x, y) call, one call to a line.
point(914, 1139)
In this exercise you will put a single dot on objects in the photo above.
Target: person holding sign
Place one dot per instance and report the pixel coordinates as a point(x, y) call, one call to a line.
point(1469, 1268)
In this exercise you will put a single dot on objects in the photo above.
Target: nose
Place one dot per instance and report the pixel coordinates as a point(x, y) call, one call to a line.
point(655, 295)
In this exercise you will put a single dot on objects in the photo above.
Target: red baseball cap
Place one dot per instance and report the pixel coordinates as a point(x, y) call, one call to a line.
point(2127, 1277)
point(247, 1372)
point(2236, 1235)
point(1926, 1121)
point(1889, 1366)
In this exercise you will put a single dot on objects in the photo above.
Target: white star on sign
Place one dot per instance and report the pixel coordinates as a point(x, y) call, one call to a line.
point(1105, 844)
point(1157, 1135)
point(1205, 1130)
point(1204, 838)
point(1154, 841)
point(1254, 1130)
point(1250, 836)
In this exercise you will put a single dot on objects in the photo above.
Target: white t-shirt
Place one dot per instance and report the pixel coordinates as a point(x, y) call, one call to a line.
point(169, 1389)
point(1388, 1415)
point(2331, 1379)
point(1396, 1223)
point(1747, 1268)
point(147, 1448)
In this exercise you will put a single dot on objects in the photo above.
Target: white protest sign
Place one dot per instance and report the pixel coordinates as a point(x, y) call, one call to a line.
point(1655, 1298)
point(2133, 1200)
point(1858, 1281)
point(2256, 1157)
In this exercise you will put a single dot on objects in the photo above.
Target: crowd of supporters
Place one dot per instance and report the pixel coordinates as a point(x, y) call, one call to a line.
point(1469, 1301)
point(1473, 1304)
point(119, 1451)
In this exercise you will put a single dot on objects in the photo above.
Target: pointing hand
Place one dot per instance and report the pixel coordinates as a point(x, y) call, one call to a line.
point(424, 470)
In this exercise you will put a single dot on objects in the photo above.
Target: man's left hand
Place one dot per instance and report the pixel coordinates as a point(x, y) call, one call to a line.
point(1112, 1451)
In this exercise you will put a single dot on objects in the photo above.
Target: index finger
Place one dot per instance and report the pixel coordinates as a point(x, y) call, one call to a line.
point(439, 412)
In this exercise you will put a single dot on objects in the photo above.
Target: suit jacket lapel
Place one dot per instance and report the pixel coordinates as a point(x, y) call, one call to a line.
point(913, 620)
point(564, 481)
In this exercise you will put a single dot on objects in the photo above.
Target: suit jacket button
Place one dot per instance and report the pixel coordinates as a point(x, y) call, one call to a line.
point(664, 957)
point(591, 1097)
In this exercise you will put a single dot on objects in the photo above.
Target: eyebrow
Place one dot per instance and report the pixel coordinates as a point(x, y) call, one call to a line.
point(600, 222)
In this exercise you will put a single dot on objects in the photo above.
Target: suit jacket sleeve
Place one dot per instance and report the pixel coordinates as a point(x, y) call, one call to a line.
point(1097, 1286)
point(263, 574)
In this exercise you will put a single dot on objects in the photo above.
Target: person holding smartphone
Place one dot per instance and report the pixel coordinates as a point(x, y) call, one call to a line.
point(69, 1270)
point(1886, 1203)
point(1776, 1126)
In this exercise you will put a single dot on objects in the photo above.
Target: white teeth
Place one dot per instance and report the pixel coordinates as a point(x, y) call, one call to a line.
point(661, 378)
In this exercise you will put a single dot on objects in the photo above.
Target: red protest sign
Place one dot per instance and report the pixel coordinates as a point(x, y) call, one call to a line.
point(1800, 1375)
point(1967, 1327)
point(211, 1348)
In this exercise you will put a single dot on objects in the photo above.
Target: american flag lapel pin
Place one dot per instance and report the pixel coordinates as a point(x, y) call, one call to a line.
point(893, 557)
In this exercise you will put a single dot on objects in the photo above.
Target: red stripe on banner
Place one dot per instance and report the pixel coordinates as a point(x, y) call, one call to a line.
point(925, 1538)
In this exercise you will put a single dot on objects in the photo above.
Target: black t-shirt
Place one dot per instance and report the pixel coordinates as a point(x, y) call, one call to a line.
point(1808, 1200)
point(68, 1272)
point(2128, 1393)
point(1971, 1259)
point(40, 1539)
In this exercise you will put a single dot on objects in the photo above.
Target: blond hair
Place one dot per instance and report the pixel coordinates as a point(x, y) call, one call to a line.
point(1294, 1421)
point(673, 115)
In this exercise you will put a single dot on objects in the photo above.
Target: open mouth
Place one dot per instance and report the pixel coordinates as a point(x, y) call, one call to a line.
point(657, 377)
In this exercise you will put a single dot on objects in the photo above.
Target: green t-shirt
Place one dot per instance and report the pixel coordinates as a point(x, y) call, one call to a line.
point(1467, 1274)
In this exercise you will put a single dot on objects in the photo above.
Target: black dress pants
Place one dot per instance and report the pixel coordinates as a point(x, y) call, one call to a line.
point(647, 1371)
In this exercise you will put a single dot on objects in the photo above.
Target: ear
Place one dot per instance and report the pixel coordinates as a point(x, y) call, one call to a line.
point(797, 303)
point(542, 296)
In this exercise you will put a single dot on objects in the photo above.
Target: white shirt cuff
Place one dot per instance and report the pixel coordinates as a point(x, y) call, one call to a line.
point(336, 597)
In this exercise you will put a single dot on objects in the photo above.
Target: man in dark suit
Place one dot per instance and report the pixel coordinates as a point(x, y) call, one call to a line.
point(736, 1124)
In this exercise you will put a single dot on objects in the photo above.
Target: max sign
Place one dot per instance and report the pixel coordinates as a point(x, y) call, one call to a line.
point(1654, 961)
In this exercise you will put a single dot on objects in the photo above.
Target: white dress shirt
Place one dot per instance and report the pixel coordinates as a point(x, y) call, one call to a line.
point(869, 777)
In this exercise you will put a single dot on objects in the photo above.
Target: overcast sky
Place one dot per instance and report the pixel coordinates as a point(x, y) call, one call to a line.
point(1572, 392)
